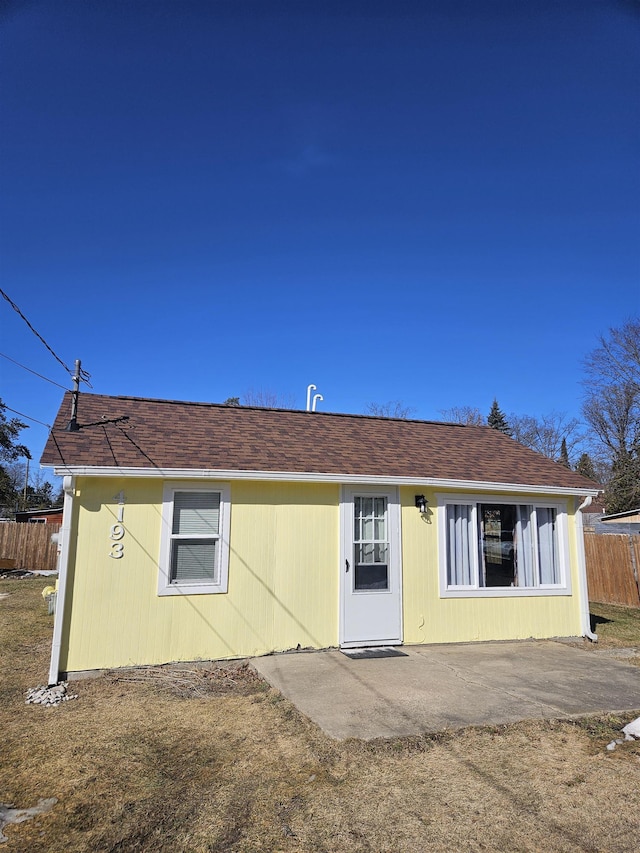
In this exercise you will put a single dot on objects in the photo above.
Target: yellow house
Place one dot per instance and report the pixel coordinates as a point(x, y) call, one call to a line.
point(202, 531)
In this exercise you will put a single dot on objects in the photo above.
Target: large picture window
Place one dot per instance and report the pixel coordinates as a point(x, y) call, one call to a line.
point(195, 542)
point(502, 546)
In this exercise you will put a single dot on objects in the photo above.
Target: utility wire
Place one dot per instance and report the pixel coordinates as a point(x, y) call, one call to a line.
point(83, 373)
point(46, 378)
point(28, 417)
point(37, 334)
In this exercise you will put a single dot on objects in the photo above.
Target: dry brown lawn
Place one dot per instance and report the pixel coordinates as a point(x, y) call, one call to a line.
point(174, 760)
point(616, 626)
point(618, 630)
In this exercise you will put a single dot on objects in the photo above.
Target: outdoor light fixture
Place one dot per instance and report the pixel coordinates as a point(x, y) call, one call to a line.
point(421, 503)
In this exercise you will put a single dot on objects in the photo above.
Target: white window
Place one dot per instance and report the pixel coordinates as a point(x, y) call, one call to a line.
point(502, 546)
point(371, 543)
point(194, 548)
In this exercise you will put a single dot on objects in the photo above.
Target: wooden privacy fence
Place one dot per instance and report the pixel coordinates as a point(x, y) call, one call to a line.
point(613, 563)
point(29, 545)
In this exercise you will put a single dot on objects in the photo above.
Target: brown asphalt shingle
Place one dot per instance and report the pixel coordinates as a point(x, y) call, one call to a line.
point(171, 434)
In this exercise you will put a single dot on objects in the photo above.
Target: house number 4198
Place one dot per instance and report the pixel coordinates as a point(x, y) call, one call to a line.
point(117, 531)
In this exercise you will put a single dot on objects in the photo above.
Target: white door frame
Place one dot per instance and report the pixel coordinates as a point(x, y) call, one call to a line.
point(347, 494)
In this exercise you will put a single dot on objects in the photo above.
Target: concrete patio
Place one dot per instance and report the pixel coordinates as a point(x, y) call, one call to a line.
point(439, 687)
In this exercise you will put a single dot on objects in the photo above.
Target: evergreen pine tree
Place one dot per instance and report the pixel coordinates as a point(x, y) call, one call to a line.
point(497, 420)
point(623, 489)
point(564, 454)
point(585, 467)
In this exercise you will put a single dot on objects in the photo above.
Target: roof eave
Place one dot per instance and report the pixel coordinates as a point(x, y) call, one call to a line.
point(313, 477)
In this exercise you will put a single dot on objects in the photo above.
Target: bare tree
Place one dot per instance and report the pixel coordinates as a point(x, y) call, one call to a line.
point(617, 359)
point(612, 412)
point(612, 398)
point(546, 433)
point(612, 409)
point(467, 415)
point(16, 473)
point(392, 409)
point(37, 492)
point(264, 398)
point(39, 481)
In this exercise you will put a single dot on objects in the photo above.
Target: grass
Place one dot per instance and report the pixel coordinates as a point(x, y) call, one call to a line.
point(618, 630)
point(215, 761)
point(615, 626)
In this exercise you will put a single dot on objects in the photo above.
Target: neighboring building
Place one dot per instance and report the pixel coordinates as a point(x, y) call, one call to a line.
point(596, 520)
point(204, 531)
point(53, 515)
point(621, 522)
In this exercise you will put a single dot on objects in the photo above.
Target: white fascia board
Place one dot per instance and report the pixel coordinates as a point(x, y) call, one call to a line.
point(304, 477)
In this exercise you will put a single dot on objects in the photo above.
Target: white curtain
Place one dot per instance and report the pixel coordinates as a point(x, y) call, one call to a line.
point(460, 543)
point(525, 562)
point(547, 545)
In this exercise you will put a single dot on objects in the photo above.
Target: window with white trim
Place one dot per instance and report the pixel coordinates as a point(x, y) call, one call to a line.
point(502, 546)
point(194, 550)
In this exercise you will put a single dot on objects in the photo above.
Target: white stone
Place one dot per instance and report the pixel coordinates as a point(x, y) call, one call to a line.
point(632, 730)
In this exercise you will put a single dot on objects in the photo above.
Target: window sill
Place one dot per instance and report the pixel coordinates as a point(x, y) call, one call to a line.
point(505, 592)
point(192, 589)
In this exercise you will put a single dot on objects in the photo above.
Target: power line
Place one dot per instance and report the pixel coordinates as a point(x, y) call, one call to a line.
point(28, 417)
point(84, 375)
point(37, 334)
point(46, 378)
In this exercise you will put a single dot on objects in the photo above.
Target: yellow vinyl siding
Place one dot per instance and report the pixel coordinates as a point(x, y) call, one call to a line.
point(284, 575)
point(283, 579)
point(431, 619)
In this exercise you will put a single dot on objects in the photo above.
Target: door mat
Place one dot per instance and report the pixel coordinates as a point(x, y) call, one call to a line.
point(374, 652)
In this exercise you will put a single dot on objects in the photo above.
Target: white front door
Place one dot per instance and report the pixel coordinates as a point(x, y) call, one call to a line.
point(371, 587)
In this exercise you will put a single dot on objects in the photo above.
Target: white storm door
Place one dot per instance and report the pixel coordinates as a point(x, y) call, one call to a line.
point(371, 585)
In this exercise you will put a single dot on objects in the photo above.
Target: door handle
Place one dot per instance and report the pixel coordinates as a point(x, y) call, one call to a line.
point(346, 565)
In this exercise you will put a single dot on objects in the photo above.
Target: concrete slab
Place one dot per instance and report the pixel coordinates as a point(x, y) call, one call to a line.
point(435, 688)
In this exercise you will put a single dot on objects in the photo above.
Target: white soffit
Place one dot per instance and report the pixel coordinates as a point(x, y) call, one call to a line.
point(304, 477)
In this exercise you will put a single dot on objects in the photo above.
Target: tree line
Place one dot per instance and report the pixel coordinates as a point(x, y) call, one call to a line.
point(21, 487)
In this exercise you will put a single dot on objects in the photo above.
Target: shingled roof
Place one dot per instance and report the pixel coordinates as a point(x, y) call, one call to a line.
point(167, 434)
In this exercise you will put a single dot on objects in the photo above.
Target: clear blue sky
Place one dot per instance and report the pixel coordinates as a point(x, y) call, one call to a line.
point(436, 202)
